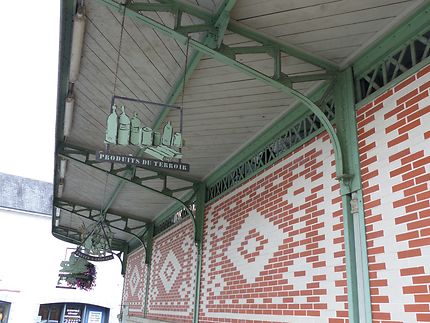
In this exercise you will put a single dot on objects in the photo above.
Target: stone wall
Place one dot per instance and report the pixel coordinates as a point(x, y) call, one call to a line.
point(25, 194)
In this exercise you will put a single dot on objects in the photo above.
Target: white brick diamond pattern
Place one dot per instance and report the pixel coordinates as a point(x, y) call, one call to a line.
point(169, 271)
point(257, 237)
point(134, 280)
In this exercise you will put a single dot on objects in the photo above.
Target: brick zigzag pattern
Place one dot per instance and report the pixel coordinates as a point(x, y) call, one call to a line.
point(273, 248)
point(395, 162)
point(173, 274)
point(135, 283)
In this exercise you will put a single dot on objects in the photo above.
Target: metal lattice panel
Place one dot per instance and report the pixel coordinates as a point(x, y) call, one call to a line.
point(393, 65)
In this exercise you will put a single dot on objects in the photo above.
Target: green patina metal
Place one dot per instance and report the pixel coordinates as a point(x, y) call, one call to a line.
point(244, 31)
point(198, 237)
point(120, 223)
point(399, 51)
point(360, 223)
point(371, 97)
point(356, 267)
point(351, 277)
point(80, 155)
point(249, 71)
point(287, 134)
point(149, 239)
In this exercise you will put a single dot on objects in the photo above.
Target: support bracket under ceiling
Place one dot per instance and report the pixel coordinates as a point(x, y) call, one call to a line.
point(85, 157)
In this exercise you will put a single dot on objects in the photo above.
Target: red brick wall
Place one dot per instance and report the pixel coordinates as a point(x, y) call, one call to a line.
point(394, 146)
point(172, 277)
point(135, 283)
point(273, 248)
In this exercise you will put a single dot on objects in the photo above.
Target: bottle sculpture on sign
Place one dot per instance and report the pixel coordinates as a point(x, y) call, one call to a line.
point(112, 127)
point(124, 128)
point(123, 131)
point(135, 130)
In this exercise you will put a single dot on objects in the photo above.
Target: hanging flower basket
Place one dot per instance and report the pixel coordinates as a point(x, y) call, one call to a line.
point(85, 280)
point(78, 273)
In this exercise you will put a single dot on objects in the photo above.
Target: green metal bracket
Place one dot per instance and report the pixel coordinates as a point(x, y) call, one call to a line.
point(346, 130)
point(223, 18)
point(249, 71)
point(298, 129)
point(86, 157)
point(246, 31)
point(120, 223)
point(142, 6)
point(67, 234)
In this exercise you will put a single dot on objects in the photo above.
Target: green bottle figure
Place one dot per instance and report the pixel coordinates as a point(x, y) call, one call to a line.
point(124, 128)
point(166, 139)
point(112, 127)
point(135, 130)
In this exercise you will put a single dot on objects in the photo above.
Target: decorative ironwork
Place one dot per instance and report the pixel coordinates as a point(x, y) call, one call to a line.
point(298, 133)
point(81, 155)
point(176, 217)
point(97, 244)
point(393, 65)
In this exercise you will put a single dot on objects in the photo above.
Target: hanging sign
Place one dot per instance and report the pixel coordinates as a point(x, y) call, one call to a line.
point(93, 258)
point(130, 160)
point(121, 130)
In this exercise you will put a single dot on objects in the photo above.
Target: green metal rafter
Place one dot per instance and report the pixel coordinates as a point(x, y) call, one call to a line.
point(120, 223)
point(247, 70)
point(242, 30)
point(86, 157)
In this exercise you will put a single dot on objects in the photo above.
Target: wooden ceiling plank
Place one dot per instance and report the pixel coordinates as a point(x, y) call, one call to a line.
point(320, 10)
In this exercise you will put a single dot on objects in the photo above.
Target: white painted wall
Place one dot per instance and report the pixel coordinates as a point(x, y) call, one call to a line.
point(29, 262)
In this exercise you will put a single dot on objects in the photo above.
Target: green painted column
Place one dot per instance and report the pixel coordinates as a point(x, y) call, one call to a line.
point(198, 238)
point(352, 203)
point(149, 239)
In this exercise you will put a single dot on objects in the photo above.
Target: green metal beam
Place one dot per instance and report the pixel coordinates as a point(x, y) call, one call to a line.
point(246, 70)
point(142, 6)
point(81, 156)
point(190, 9)
point(395, 39)
point(255, 35)
point(248, 32)
point(95, 215)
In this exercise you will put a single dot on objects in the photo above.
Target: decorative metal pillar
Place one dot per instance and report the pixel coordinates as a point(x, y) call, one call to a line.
point(198, 238)
point(149, 239)
point(359, 305)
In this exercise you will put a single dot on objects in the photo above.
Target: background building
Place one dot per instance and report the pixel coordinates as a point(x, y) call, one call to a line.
point(30, 256)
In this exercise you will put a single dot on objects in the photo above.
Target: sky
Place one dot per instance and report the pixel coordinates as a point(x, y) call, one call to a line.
point(29, 32)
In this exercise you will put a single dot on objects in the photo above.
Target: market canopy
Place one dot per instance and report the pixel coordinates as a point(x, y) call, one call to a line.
point(240, 81)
